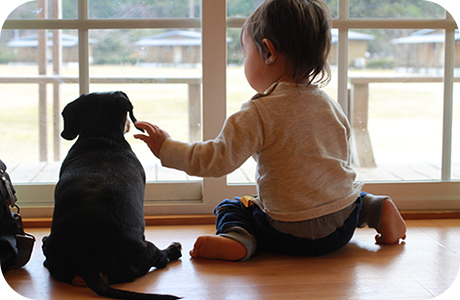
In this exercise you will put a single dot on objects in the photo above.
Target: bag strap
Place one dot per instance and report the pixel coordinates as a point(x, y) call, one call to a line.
point(24, 242)
point(2, 166)
point(12, 199)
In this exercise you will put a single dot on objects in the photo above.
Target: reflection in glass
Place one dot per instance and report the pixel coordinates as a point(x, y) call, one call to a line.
point(244, 8)
point(396, 105)
point(144, 9)
point(46, 9)
point(399, 9)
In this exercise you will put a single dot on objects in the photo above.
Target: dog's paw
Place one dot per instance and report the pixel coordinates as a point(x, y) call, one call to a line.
point(174, 251)
point(79, 282)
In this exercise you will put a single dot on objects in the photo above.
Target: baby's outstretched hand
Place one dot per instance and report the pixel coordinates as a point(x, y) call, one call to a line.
point(154, 138)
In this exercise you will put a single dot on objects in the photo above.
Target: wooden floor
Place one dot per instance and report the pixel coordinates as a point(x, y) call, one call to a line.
point(422, 268)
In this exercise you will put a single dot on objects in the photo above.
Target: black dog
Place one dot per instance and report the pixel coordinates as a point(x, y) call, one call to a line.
point(98, 225)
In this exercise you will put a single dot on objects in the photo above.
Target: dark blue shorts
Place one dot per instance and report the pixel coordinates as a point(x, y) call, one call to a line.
point(231, 213)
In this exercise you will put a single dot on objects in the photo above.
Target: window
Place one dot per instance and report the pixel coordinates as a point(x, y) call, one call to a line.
point(62, 48)
point(395, 73)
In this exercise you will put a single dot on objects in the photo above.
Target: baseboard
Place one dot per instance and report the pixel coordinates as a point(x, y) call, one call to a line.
point(149, 220)
point(180, 220)
point(430, 214)
point(208, 219)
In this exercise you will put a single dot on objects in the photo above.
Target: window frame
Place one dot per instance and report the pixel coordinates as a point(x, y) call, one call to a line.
point(440, 194)
point(201, 197)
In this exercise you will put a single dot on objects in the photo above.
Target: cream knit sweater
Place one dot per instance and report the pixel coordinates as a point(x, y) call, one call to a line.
point(299, 138)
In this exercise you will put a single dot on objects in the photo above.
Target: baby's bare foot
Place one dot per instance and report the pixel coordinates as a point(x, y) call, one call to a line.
point(392, 225)
point(217, 247)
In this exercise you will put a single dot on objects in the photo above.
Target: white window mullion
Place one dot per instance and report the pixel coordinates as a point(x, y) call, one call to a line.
point(83, 46)
point(342, 52)
point(214, 59)
point(214, 83)
point(449, 62)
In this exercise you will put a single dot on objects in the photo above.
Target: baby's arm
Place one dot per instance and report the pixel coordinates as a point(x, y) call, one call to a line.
point(240, 137)
point(154, 138)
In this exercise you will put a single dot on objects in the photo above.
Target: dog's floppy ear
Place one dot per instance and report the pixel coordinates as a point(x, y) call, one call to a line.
point(72, 119)
point(129, 109)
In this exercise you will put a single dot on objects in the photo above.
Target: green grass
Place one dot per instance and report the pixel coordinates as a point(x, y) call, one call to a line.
point(166, 105)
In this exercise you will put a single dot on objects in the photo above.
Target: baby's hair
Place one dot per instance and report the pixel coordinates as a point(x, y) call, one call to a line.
point(300, 30)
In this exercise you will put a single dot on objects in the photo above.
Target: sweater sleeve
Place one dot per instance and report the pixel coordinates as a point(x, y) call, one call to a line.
point(240, 137)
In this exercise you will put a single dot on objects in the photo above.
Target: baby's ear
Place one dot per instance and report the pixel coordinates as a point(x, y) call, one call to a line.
point(270, 52)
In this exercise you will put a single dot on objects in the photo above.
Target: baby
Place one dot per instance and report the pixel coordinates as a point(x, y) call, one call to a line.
point(308, 202)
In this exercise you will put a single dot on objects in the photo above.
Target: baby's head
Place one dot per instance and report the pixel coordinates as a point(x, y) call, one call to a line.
point(298, 29)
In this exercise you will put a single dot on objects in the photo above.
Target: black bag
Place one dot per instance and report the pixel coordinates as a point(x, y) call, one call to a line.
point(15, 245)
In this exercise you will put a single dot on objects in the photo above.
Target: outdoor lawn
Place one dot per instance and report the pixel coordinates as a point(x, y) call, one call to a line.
point(405, 119)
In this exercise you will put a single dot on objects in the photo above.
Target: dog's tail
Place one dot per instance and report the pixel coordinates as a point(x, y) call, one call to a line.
point(95, 282)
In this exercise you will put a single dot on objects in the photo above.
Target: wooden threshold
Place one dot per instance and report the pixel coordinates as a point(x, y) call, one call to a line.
point(204, 219)
point(208, 219)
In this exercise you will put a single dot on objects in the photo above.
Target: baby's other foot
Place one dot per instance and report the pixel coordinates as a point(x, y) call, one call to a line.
point(392, 225)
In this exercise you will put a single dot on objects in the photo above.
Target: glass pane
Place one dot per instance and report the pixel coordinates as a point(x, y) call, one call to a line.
point(46, 9)
point(456, 113)
point(456, 133)
point(244, 8)
point(397, 100)
point(238, 92)
point(395, 9)
point(144, 9)
point(333, 7)
point(30, 112)
point(160, 71)
point(331, 88)
point(238, 89)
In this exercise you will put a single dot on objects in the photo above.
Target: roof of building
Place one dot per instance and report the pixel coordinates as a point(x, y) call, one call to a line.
point(173, 38)
point(352, 36)
point(193, 38)
point(32, 41)
point(425, 36)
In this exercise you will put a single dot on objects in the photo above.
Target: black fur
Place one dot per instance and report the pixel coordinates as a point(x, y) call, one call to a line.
point(98, 222)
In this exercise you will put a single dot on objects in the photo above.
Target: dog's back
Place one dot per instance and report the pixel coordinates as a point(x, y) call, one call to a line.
point(99, 197)
point(98, 222)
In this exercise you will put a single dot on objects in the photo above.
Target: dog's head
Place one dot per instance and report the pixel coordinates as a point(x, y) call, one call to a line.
point(97, 114)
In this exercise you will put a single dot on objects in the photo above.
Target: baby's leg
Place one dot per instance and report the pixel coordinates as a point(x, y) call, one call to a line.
point(218, 247)
point(233, 244)
point(380, 213)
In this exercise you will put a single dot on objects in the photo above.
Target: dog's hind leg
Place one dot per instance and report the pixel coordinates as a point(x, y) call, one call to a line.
point(172, 252)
